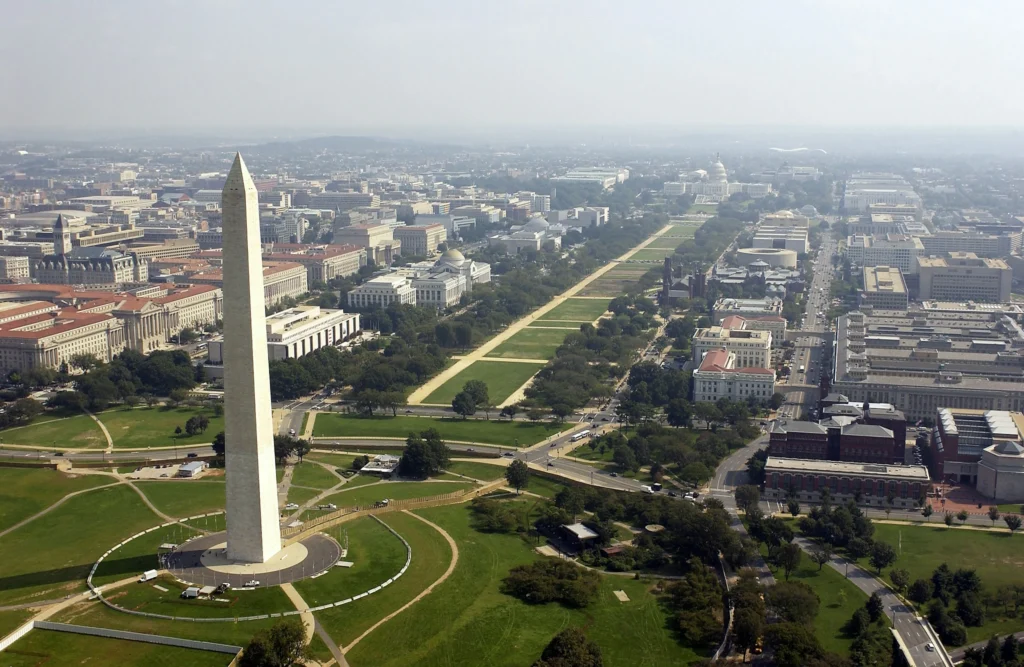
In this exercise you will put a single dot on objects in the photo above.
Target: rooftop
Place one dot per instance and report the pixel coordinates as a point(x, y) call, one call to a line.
point(812, 466)
point(884, 279)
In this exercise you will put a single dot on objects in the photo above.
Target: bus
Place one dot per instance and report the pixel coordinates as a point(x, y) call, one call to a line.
point(579, 436)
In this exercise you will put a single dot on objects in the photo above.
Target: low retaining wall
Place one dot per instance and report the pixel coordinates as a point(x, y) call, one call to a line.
point(138, 637)
point(15, 636)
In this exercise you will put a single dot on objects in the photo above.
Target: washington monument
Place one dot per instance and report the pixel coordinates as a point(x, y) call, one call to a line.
point(254, 534)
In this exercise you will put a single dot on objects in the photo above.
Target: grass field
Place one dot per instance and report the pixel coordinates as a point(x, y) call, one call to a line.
point(530, 344)
point(343, 461)
point(300, 495)
point(430, 558)
point(145, 597)
point(25, 491)
point(12, 620)
point(680, 231)
point(652, 254)
point(467, 620)
point(664, 242)
point(567, 327)
point(481, 471)
point(64, 649)
point(311, 474)
point(371, 493)
point(377, 556)
point(51, 432)
point(702, 208)
point(154, 427)
point(51, 556)
point(468, 430)
point(543, 486)
point(832, 612)
point(577, 310)
point(184, 498)
point(997, 557)
point(502, 380)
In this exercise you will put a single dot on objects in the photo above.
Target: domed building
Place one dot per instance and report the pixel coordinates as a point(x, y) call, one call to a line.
point(453, 261)
point(716, 186)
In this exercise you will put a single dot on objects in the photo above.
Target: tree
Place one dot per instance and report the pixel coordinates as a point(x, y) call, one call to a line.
point(748, 626)
point(948, 519)
point(177, 430)
point(857, 547)
point(900, 579)
point(477, 390)
point(920, 591)
point(747, 497)
point(794, 506)
point(463, 335)
point(177, 396)
point(283, 645)
point(793, 644)
point(219, 444)
point(463, 404)
point(284, 445)
point(875, 606)
point(1012, 522)
point(517, 474)
point(679, 412)
point(928, 511)
point(624, 457)
point(821, 556)
point(793, 601)
point(570, 648)
point(571, 499)
point(993, 514)
point(425, 454)
point(970, 610)
point(789, 557)
point(962, 516)
point(882, 556)
point(510, 411)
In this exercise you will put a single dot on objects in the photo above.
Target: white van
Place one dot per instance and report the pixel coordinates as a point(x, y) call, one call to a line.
point(148, 575)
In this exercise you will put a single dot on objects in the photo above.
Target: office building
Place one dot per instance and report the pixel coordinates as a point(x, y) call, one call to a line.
point(719, 376)
point(962, 437)
point(296, 332)
point(785, 219)
point(896, 250)
point(746, 308)
point(919, 361)
point(941, 243)
point(382, 291)
point(280, 280)
point(964, 276)
point(453, 224)
point(869, 484)
point(343, 201)
point(14, 269)
point(103, 203)
point(376, 239)
point(752, 348)
point(86, 265)
point(774, 324)
point(788, 238)
point(592, 216)
point(884, 288)
point(864, 190)
point(420, 240)
point(439, 290)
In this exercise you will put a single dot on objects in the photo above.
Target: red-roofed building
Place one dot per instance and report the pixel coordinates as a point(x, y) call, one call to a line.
point(718, 377)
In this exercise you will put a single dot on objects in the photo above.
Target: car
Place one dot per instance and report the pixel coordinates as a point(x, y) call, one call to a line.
point(509, 454)
point(164, 475)
point(604, 419)
point(550, 464)
point(672, 494)
point(929, 647)
point(408, 412)
point(191, 455)
point(253, 582)
point(613, 474)
point(291, 431)
point(470, 449)
point(292, 506)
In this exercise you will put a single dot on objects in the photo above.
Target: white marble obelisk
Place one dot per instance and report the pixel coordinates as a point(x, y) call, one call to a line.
point(254, 534)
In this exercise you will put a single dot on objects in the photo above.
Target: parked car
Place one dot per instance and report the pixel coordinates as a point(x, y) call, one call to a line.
point(253, 582)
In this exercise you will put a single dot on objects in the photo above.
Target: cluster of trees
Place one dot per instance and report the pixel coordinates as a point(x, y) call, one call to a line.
point(946, 587)
point(20, 412)
point(195, 425)
point(872, 642)
point(281, 645)
point(995, 654)
point(570, 648)
point(552, 580)
point(696, 601)
point(284, 446)
point(474, 396)
point(425, 454)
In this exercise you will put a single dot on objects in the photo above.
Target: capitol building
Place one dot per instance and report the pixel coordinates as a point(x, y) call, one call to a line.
point(714, 185)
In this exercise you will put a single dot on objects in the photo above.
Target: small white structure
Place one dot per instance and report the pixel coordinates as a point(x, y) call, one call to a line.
point(191, 469)
point(382, 464)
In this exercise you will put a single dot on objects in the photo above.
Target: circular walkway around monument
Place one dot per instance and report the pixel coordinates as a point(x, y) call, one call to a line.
point(200, 561)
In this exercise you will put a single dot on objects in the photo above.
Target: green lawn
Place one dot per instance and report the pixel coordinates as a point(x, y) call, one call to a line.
point(300, 495)
point(702, 208)
point(468, 621)
point(185, 498)
point(343, 461)
point(530, 343)
point(316, 476)
point(51, 556)
point(502, 379)
point(12, 620)
point(495, 432)
point(65, 649)
point(430, 558)
point(377, 556)
point(481, 471)
point(567, 327)
point(664, 242)
point(25, 491)
point(652, 254)
point(577, 310)
point(832, 612)
point(680, 232)
point(543, 486)
point(145, 597)
point(367, 495)
point(997, 557)
point(53, 432)
point(154, 427)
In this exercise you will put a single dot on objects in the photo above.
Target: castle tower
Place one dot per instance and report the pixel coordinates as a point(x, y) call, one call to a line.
point(61, 237)
point(254, 534)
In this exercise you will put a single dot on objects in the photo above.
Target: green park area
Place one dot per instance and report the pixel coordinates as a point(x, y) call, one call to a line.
point(482, 471)
point(997, 557)
point(494, 432)
point(529, 343)
point(65, 649)
point(652, 254)
point(468, 620)
point(839, 599)
point(186, 497)
point(26, 491)
point(371, 493)
point(154, 427)
point(665, 242)
point(577, 310)
point(502, 380)
point(57, 432)
point(556, 324)
point(683, 230)
point(702, 208)
point(615, 281)
point(310, 474)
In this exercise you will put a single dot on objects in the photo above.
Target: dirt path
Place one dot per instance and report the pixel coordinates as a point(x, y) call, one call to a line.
point(425, 592)
point(418, 396)
point(103, 427)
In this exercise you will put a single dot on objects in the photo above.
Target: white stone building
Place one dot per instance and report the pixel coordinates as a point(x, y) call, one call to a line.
point(439, 290)
point(383, 291)
point(752, 348)
point(719, 376)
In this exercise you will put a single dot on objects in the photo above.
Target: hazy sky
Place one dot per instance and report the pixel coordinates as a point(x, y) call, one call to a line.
point(351, 65)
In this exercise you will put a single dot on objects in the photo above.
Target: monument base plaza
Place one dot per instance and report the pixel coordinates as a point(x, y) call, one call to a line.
point(203, 561)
